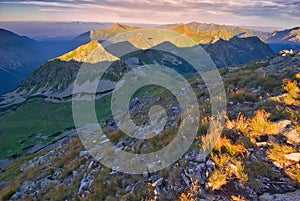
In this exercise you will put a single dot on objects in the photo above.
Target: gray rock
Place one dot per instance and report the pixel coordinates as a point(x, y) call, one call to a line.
point(57, 173)
point(185, 179)
point(175, 111)
point(83, 154)
point(37, 161)
point(158, 182)
point(17, 196)
point(154, 178)
point(292, 196)
point(46, 183)
point(91, 165)
point(86, 184)
point(75, 173)
point(28, 187)
point(111, 124)
point(210, 164)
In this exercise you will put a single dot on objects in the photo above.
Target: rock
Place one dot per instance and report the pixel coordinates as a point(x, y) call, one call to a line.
point(86, 184)
point(171, 124)
point(17, 196)
point(158, 182)
point(292, 135)
point(57, 173)
point(38, 161)
point(210, 164)
point(154, 178)
point(283, 124)
point(83, 154)
point(111, 124)
point(185, 179)
point(285, 53)
point(293, 157)
point(46, 183)
point(28, 187)
point(191, 156)
point(91, 165)
point(292, 196)
point(261, 144)
point(285, 128)
point(175, 111)
point(75, 173)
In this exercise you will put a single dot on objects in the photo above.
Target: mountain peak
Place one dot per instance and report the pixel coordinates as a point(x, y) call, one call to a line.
point(119, 26)
point(183, 28)
point(92, 52)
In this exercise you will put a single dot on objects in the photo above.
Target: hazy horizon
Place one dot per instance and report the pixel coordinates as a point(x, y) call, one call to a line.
point(55, 30)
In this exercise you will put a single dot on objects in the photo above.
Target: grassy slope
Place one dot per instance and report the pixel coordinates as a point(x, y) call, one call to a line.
point(37, 119)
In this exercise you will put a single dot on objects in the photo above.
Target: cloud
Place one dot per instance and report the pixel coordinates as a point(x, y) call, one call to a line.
point(161, 11)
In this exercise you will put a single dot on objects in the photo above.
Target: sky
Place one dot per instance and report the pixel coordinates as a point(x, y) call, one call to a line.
point(272, 13)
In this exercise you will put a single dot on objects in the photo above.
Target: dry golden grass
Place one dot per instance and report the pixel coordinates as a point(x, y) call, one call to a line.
point(294, 173)
point(217, 180)
point(237, 198)
point(260, 125)
point(292, 97)
point(220, 160)
point(228, 164)
point(277, 153)
point(186, 197)
point(239, 171)
point(253, 127)
point(297, 77)
point(226, 146)
point(240, 125)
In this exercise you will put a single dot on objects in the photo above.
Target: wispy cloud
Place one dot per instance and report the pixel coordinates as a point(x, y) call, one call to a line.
point(161, 11)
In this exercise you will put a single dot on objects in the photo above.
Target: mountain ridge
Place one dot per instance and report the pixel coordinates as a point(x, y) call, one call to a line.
point(285, 39)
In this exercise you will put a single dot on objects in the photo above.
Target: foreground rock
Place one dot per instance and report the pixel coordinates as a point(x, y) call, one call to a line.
point(293, 196)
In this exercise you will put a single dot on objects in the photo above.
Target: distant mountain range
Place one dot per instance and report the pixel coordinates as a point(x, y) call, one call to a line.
point(16, 58)
point(286, 39)
point(20, 55)
point(227, 45)
point(54, 80)
point(237, 31)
